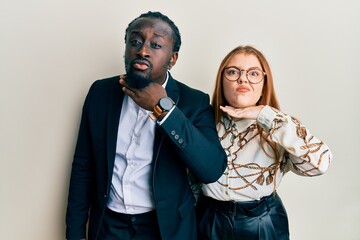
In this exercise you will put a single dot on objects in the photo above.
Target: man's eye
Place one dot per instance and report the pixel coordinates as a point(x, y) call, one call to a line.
point(135, 42)
point(155, 45)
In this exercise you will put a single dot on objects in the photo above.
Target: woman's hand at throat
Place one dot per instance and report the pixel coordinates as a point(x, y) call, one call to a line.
point(242, 113)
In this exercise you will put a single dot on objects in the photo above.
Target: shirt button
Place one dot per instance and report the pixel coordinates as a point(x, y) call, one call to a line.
point(176, 137)
point(172, 132)
point(180, 141)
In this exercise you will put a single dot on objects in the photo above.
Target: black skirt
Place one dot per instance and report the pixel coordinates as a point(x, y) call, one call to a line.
point(225, 220)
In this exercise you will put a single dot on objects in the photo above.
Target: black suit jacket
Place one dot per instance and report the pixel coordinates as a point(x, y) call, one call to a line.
point(186, 140)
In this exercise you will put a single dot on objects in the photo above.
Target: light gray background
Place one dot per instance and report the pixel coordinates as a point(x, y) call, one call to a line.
point(52, 50)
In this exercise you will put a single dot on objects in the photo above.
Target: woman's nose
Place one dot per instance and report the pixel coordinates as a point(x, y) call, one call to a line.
point(242, 78)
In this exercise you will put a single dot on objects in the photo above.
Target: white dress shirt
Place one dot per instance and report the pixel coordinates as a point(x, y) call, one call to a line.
point(131, 185)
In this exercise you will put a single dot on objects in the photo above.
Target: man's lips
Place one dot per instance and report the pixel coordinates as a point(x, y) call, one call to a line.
point(140, 65)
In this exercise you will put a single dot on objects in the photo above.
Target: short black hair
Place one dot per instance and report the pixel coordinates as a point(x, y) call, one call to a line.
point(159, 15)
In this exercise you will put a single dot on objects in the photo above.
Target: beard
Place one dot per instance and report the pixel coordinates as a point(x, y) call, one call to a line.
point(137, 81)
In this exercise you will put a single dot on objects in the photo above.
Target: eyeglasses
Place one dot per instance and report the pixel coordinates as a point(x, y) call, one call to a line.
point(254, 75)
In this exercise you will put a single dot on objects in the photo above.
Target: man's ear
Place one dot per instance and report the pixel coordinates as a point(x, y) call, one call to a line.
point(173, 59)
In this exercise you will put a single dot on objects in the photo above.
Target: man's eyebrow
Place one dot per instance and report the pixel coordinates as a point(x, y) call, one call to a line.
point(157, 35)
point(134, 32)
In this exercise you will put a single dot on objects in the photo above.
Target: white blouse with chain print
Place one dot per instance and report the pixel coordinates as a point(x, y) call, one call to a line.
point(252, 172)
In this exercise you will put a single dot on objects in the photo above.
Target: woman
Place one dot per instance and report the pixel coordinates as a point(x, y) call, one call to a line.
point(262, 144)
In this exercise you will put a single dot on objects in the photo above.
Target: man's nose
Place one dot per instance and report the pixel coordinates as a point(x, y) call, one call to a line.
point(143, 50)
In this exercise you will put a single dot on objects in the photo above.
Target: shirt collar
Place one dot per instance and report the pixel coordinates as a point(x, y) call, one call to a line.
point(166, 79)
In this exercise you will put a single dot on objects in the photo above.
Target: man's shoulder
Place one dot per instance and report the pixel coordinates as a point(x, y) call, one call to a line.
point(107, 81)
point(105, 84)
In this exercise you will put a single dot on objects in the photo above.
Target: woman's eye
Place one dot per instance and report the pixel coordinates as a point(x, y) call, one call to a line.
point(254, 73)
point(232, 72)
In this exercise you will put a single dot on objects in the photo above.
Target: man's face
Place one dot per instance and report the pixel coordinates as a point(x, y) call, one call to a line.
point(148, 52)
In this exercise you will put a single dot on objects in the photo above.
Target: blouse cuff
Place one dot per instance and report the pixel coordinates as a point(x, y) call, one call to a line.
point(266, 118)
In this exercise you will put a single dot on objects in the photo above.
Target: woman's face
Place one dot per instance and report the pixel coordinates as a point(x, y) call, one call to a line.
point(242, 93)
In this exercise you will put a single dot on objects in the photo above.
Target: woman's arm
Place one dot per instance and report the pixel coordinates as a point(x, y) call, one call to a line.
point(307, 154)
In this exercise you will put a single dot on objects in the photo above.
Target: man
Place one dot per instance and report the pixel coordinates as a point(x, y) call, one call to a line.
point(140, 135)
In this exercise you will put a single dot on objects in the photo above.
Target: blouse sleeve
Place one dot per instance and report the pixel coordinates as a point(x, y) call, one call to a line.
point(305, 154)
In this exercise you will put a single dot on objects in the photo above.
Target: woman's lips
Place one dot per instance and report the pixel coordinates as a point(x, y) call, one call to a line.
point(243, 89)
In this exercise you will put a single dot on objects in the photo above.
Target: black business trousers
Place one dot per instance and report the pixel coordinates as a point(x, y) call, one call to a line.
point(265, 219)
point(119, 226)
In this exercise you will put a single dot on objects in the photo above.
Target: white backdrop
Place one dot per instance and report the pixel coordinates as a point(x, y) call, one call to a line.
point(52, 50)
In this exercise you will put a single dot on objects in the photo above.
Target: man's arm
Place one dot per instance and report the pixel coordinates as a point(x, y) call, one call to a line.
point(81, 180)
point(190, 126)
point(196, 138)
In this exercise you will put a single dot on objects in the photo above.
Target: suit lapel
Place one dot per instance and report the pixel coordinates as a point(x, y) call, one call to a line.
point(172, 91)
point(113, 116)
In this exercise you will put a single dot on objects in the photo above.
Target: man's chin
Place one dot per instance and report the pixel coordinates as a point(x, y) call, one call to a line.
point(137, 80)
